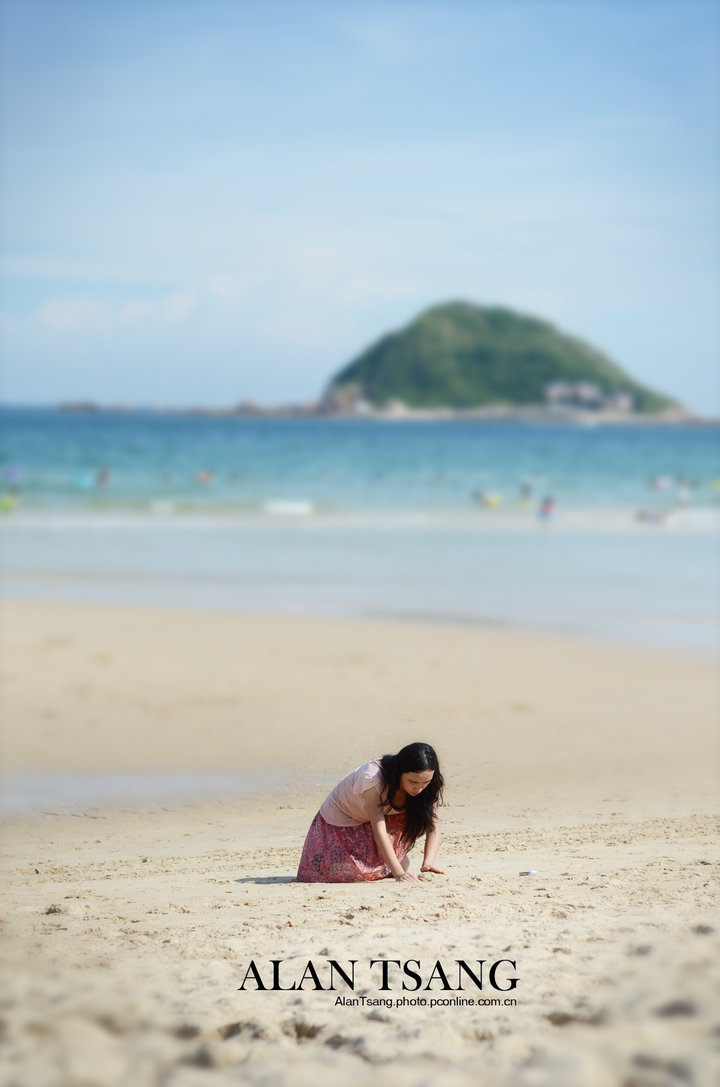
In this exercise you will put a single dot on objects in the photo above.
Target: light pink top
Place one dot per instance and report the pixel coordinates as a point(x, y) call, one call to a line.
point(344, 806)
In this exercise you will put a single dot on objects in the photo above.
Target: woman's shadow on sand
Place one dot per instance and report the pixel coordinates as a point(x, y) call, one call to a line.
point(267, 879)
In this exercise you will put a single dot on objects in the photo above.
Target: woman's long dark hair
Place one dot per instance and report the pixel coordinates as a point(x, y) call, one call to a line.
point(419, 810)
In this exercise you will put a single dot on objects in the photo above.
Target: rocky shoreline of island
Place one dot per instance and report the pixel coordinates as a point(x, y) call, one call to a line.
point(400, 412)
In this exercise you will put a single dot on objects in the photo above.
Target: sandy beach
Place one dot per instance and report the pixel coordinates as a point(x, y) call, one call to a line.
point(129, 928)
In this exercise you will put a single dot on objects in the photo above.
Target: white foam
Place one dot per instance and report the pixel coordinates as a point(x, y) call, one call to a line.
point(282, 507)
point(699, 521)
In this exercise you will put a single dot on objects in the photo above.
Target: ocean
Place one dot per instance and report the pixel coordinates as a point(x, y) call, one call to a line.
point(607, 531)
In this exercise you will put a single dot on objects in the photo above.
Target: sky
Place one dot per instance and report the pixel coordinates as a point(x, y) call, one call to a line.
point(208, 201)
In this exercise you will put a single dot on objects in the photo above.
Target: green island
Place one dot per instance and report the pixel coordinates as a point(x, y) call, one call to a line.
point(463, 357)
point(460, 360)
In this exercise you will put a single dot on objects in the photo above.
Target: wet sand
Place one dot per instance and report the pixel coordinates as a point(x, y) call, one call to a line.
point(128, 930)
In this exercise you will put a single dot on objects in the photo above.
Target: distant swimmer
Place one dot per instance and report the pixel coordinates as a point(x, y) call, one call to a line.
point(652, 517)
point(546, 509)
point(684, 488)
point(204, 476)
point(102, 478)
point(488, 499)
point(526, 496)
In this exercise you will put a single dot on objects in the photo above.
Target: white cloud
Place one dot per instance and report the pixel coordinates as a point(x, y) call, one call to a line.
point(176, 308)
point(73, 315)
point(374, 288)
point(134, 312)
point(41, 267)
point(388, 39)
point(86, 315)
point(225, 288)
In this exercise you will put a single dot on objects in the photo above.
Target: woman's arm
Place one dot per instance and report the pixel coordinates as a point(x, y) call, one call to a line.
point(376, 815)
point(432, 842)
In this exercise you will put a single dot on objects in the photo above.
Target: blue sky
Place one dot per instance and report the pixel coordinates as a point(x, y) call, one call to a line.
point(211, 201)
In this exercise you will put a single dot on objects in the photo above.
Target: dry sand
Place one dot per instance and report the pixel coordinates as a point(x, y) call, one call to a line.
point(126, 932)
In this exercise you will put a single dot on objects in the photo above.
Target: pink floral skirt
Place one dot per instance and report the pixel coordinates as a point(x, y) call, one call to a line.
point(347, 854)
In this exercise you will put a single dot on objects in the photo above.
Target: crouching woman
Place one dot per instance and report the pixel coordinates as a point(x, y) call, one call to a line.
point(371, 819)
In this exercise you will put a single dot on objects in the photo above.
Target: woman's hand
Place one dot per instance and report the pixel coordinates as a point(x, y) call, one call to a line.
point(407, 877)
point(432, 868)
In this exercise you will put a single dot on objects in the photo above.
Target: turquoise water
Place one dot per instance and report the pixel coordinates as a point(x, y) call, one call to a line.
point(318, 467)
point(406, 520)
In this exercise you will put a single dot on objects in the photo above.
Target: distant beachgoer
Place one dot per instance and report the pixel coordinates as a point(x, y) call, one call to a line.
point(371, 819)
point(684, 488)
point(488, 499)
point(547, 508)
point(102, 477)
point(652, 517)
point(526, 495)
point(204, 476)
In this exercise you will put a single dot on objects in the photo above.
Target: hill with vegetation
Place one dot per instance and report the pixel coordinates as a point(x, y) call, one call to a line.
point(459, 355)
